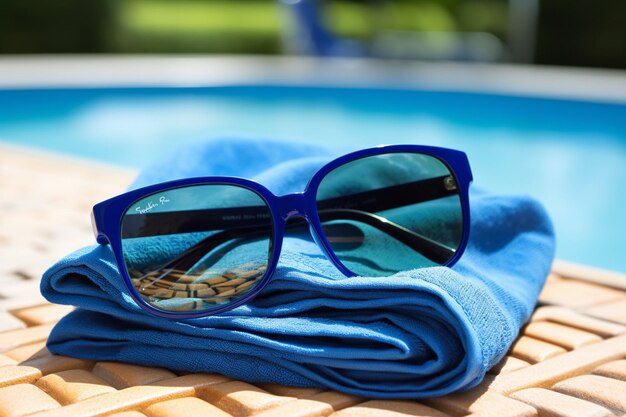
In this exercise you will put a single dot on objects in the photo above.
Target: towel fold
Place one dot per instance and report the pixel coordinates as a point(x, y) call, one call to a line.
point(418, 333)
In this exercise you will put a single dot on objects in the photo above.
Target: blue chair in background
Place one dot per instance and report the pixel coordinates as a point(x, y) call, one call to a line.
point(308, 34)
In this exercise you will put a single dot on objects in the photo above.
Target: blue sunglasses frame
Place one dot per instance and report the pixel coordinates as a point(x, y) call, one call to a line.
point(108, 215)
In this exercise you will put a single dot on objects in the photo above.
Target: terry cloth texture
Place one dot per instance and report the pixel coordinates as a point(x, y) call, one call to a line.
point(419, 333)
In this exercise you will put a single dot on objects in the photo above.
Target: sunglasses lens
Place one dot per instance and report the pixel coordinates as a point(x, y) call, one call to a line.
point(392, 212)
point(197, 248)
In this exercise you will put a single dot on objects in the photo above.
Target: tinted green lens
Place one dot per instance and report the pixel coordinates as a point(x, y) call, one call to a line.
point(392, 212)
point(197, 248)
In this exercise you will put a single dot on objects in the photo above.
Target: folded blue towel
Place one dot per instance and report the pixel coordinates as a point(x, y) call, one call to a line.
point(419, 333)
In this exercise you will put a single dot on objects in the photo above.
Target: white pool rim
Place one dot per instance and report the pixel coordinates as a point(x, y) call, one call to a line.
point(106, 71)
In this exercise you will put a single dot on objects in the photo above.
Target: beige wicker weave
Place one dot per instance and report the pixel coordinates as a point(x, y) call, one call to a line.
point(570, 361)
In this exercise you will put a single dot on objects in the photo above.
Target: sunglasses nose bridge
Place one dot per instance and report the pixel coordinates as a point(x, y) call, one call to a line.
point(292, 205)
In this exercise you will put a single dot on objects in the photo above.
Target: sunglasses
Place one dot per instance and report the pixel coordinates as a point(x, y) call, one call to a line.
point(200, 246)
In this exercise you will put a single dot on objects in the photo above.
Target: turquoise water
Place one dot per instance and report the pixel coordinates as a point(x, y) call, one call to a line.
point(571, 155)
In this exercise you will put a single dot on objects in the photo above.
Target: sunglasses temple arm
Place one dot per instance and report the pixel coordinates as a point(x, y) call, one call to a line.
point(194, 254)
point(153, 224)
point(428, 248)
point(393, 196)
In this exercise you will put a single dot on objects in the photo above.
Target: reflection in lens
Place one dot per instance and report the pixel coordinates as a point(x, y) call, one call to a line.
point(197, 248)
point(392, 212)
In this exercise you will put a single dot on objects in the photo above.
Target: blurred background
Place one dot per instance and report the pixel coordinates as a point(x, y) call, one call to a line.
point(556, 32)
point(533, 91)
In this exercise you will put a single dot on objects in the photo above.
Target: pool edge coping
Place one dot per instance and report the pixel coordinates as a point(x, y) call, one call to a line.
point(106, 71)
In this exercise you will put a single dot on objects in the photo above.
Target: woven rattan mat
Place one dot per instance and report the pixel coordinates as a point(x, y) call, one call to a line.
point(570, 360)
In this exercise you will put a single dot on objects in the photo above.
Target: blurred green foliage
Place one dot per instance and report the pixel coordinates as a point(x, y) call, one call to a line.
point(216, 26)
point(357, 19)
point(255, 26)
point(360, 19)
point(585, 32)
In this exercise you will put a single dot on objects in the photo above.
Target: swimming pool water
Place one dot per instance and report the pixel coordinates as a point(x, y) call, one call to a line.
point(571, 155)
